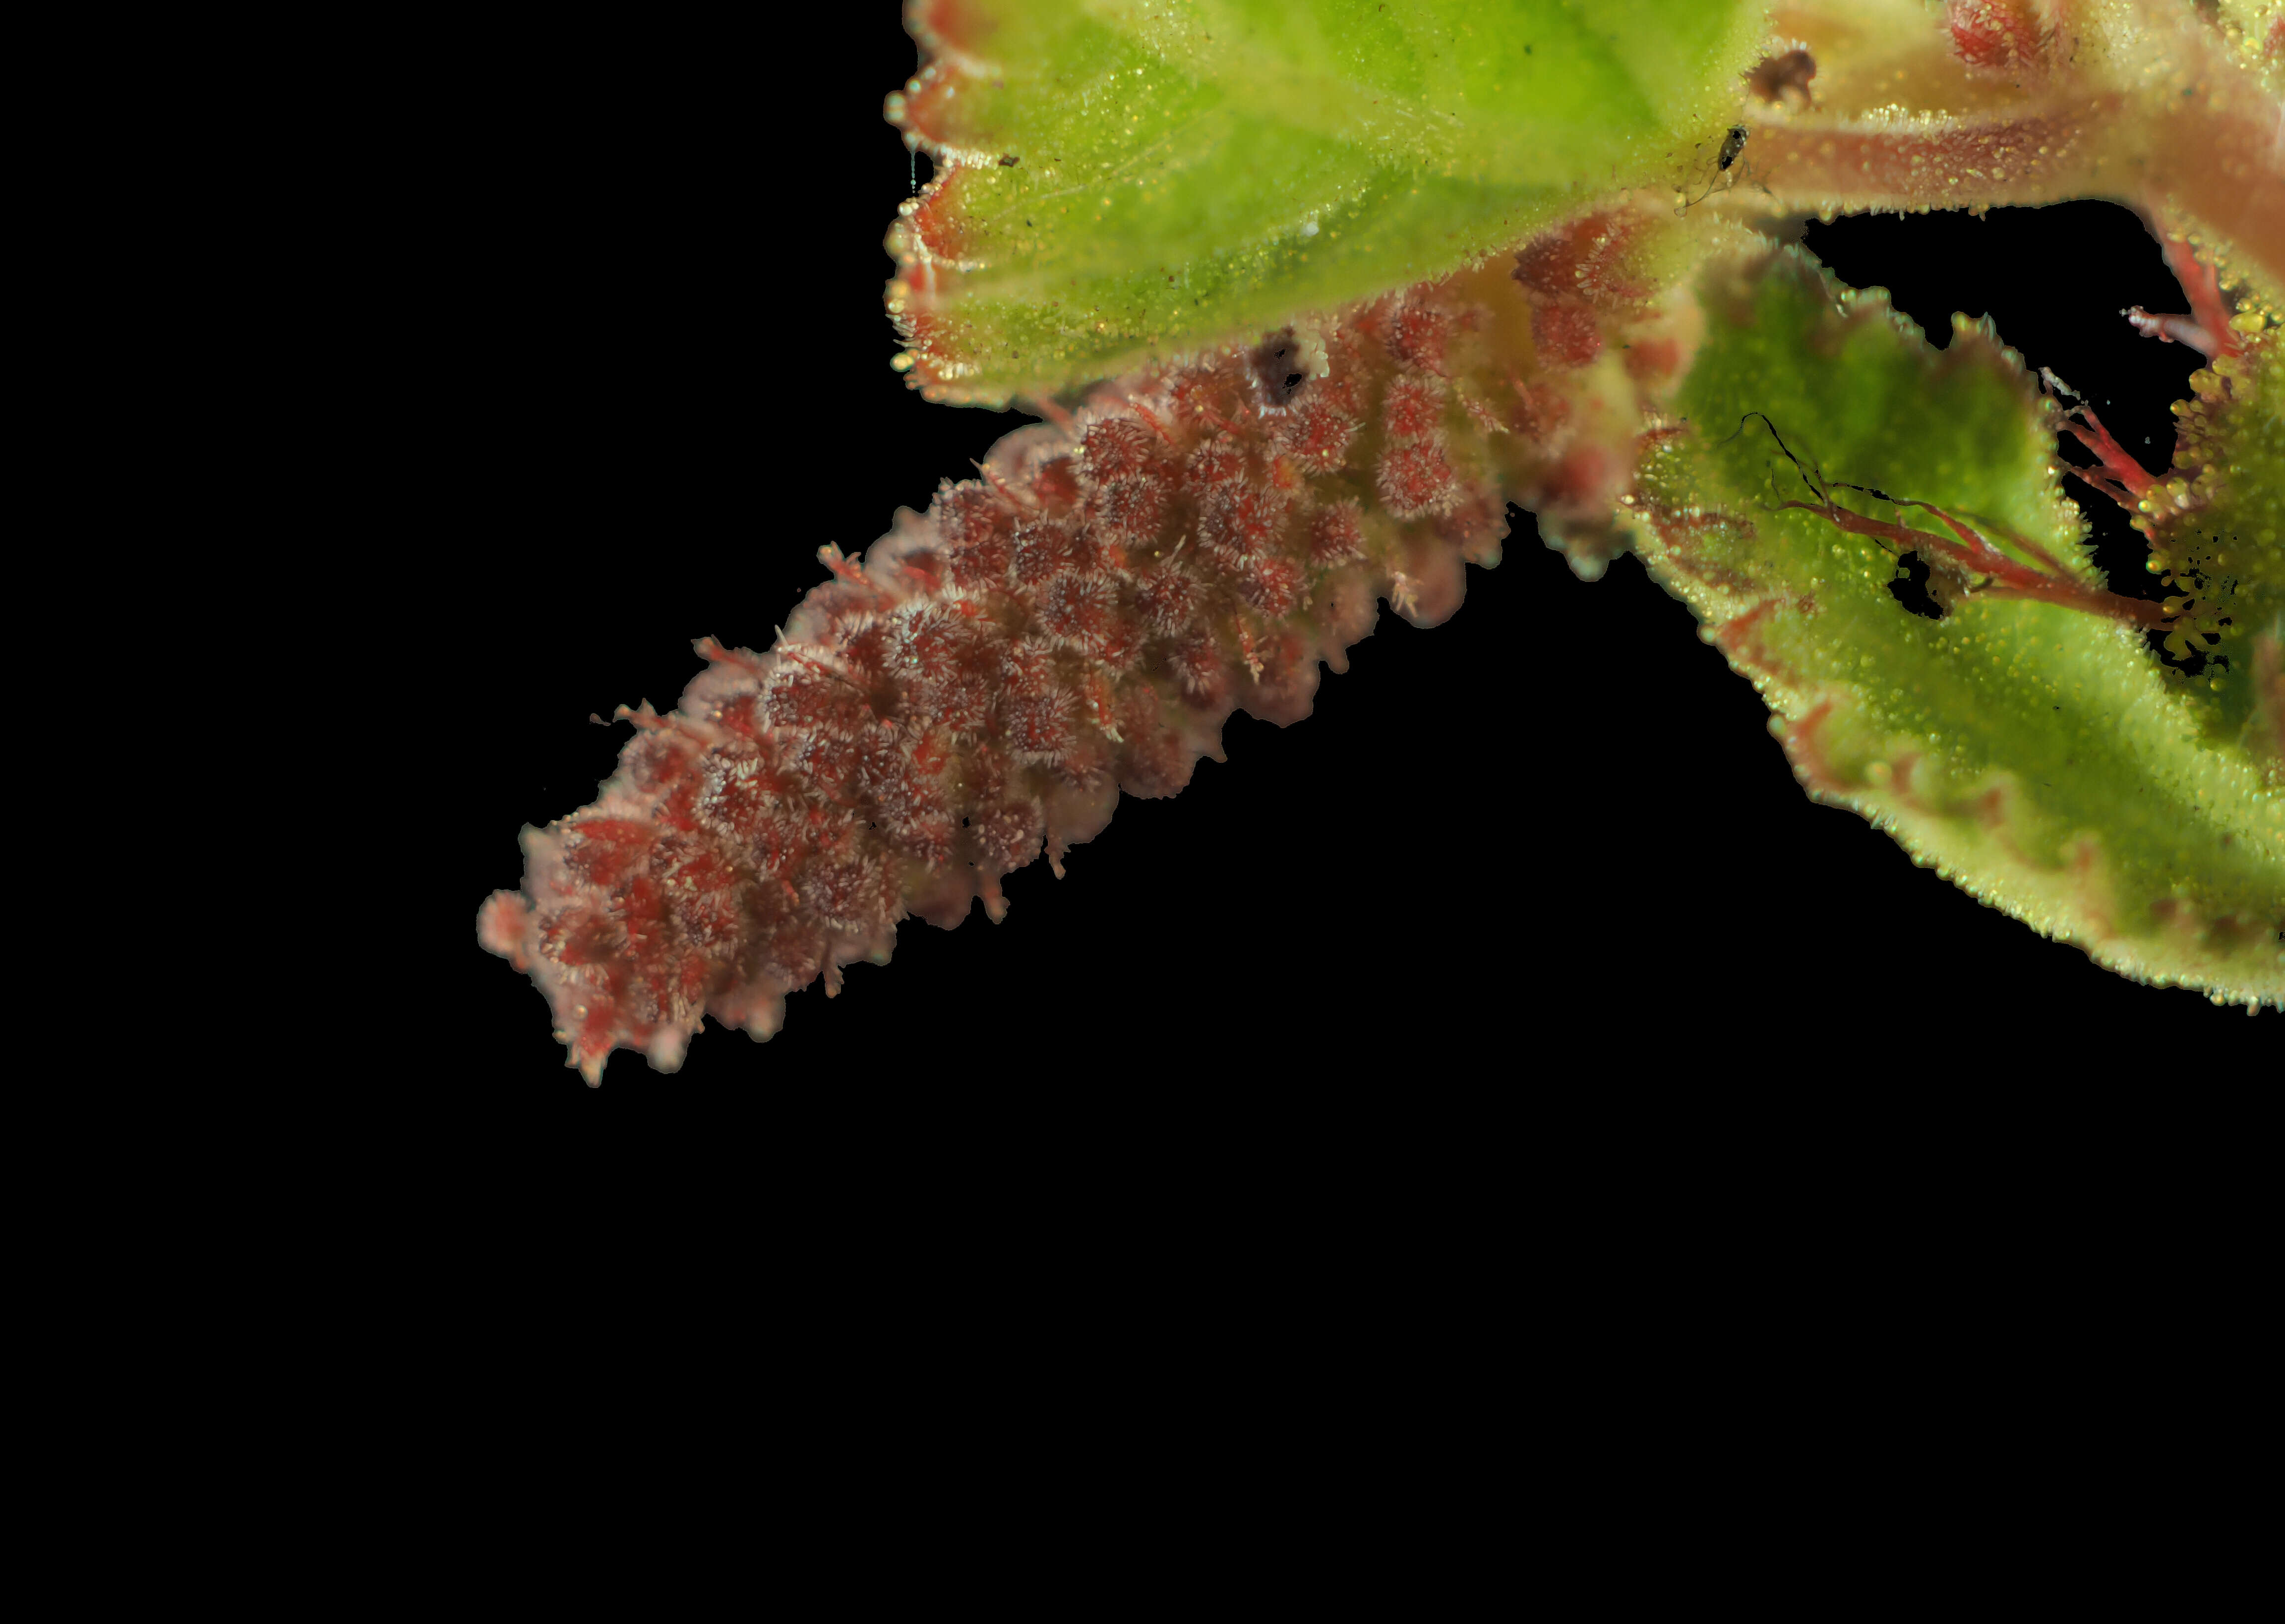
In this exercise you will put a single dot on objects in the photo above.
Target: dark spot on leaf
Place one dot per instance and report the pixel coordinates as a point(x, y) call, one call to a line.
point(1785, 79)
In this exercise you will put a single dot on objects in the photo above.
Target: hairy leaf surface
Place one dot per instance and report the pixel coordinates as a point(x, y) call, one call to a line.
point(1126, 180)
point(2032, 750)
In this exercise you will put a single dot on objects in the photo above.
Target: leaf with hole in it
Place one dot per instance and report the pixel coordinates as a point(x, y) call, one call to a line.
point(1126, 180)
point(2026, 741)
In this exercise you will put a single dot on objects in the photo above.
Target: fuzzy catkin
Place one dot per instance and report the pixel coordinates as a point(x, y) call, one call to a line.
point(983, 683)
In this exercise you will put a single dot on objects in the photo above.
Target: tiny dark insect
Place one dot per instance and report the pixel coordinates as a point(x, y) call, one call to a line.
point(1732, 144)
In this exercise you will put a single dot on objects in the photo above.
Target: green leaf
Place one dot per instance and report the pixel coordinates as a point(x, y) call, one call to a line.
point(1124, 180)
point(2032, 751)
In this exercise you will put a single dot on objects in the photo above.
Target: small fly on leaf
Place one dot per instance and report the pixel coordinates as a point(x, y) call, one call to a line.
point(1733, 145)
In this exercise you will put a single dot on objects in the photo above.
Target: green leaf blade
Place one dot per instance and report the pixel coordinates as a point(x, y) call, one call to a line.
point(1128, 182)
point(2032, 752)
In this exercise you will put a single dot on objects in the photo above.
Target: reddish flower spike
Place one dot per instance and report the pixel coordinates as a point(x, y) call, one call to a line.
point(978, 687)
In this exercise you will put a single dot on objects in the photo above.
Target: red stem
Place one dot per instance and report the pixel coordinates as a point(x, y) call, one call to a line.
point(2009, 579)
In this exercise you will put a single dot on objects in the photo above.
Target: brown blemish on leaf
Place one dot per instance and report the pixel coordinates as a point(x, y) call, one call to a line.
point(1783, 80)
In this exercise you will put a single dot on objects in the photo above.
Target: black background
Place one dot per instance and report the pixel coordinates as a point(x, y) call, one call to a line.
point(1550, 846)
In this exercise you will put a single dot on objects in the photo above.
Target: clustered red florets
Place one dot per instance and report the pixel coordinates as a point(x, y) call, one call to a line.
point(1574, 275)
point(985, 682)
point(2009, 36)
